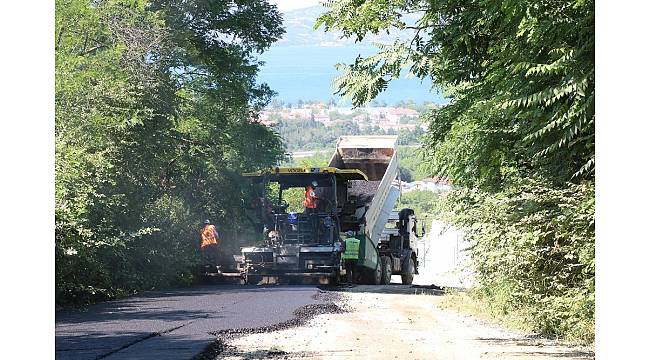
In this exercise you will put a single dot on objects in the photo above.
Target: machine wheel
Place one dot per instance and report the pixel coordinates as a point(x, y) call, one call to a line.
point(253, 279)
point(408, 271)
point(334, 280)
point(386, 270)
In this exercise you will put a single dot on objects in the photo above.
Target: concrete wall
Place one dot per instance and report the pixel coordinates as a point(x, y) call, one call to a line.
point(444, 258)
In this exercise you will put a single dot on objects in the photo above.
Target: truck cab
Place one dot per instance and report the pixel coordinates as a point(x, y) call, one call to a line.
point(398, 245)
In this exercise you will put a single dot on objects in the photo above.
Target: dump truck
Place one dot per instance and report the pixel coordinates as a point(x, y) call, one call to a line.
point(356, 193)
point(388, 236)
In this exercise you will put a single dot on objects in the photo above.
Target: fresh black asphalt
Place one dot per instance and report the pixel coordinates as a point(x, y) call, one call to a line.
point(173, 324)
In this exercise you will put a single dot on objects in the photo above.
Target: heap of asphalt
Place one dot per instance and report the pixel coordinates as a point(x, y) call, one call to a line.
point(302, 315)
point(364, 191)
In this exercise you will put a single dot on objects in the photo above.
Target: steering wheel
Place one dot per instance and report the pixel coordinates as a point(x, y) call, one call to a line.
point(282, 207)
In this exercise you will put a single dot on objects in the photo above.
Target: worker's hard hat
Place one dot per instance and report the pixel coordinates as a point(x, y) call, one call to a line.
point(314, 183)
point(206, 221)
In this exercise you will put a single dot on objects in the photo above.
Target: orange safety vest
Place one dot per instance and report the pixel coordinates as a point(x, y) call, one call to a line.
point(208, 236)
point(310, 198)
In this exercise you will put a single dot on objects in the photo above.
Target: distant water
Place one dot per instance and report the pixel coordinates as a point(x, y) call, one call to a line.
point(306, 73)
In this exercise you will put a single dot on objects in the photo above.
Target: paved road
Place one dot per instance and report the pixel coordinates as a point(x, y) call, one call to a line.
point(172, 324)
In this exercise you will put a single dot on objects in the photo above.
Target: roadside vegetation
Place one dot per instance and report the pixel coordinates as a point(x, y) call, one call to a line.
point(522, 320)
point(470, 303)
point(154, 109)
point(516, 139)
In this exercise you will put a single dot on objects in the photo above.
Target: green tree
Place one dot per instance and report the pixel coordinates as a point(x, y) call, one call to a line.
point(411, 160)
point(516, 139)
point(154, 108)
point(521, 74)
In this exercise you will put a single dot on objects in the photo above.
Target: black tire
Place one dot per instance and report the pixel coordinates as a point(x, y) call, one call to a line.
point(408, 271)
point(386, 270)
point(334, 279)
point(253, 279)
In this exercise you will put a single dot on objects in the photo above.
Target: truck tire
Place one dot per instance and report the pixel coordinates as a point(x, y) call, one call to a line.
point(386, 270)
point(408, 271)
point(374, 277)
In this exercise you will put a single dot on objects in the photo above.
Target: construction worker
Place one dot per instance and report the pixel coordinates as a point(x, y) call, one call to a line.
point(310, 197)
point(351, 256)
point(209, 241)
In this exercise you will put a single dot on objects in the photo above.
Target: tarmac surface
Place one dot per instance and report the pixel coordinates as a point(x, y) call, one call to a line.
point(174, 324)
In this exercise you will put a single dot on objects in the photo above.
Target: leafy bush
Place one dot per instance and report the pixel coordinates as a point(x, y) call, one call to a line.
point(533, 252)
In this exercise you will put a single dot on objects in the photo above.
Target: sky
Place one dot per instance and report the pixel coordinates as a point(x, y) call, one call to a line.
point(288, 5)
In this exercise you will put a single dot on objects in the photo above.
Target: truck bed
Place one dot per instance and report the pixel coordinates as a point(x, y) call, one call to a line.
point(376, 157)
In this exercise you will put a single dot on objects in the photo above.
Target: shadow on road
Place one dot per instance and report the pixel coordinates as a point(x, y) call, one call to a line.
point(387, 289)
point(140, 310)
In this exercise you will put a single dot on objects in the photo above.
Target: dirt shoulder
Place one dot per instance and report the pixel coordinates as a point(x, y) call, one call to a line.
point(393, 323)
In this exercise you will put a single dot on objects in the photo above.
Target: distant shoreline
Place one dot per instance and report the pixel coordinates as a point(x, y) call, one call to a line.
point(306, 73)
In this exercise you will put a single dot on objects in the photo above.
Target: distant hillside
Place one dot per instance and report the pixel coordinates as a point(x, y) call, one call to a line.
point(300, 23)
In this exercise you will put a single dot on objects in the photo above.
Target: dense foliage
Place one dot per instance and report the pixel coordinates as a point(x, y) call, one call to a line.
point(155, 108)
point(517, 137)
